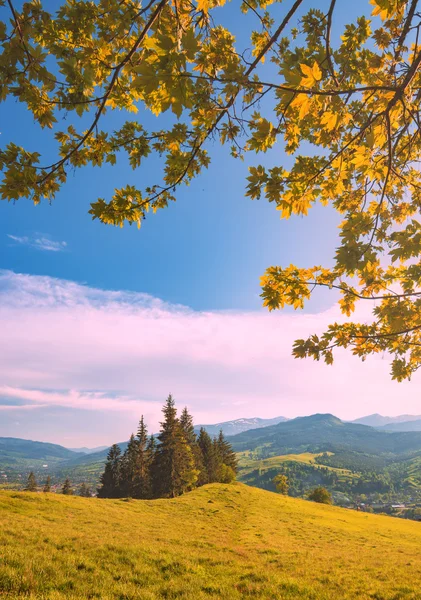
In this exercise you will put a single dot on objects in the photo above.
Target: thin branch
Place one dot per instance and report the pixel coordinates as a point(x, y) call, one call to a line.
point(328, 49)
point(19, 30)
point(350, 291)
point(113, 81)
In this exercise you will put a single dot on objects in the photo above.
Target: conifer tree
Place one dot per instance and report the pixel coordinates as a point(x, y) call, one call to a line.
point(173, 467)
point(186, 422)
point(31, 484)
point(217, 458)
point(67, 488)
point(142, 483)
point(151, 447)
point(129, 464)
point(47, 485)
point(227, 454)
point(209, 475)
point(111, 478)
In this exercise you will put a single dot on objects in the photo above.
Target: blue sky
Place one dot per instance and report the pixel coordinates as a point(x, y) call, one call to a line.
point(207, 251)
point(99, 324)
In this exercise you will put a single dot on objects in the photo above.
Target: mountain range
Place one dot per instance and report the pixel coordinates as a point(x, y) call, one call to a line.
point(86, 450)
point(315, 433)
point(326, 433)
point(377, 420)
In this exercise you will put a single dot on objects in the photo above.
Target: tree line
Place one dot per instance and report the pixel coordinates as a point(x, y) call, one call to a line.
point(175, 462)
point(66, 489)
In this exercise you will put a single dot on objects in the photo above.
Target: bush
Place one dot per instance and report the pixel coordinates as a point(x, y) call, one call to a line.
point(226, 474)
point(320, 495)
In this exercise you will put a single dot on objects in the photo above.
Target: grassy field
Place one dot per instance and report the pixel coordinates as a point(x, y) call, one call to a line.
point(248, 464)
point(221, 541)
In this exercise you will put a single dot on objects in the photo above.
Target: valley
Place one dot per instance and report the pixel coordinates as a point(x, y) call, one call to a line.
point(363, 467)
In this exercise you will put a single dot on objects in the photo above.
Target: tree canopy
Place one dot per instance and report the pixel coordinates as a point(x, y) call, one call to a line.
point(320, 495)
point(342, 101)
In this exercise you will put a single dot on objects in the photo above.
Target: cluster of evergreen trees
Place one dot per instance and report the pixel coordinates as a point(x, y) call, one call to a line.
point(178, 461)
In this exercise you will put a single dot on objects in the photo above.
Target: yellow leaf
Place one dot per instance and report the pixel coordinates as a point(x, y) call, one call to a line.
point(317, 74)
point(381, 11)
point(302, 102)
point(329, 120)
point(203, 5)
point(312, 75)
point(361, 157)
point(306, 70)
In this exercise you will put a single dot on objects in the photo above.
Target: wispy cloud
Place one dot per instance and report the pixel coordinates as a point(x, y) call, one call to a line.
point(115, 354)
point(39, 242)
point(31, 399)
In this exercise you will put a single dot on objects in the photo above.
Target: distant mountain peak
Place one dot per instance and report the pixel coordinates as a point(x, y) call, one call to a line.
point(377, 420)
point(323, 418)
point(240, 425)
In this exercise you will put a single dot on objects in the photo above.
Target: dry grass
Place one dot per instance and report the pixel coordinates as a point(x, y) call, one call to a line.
point(221, 541)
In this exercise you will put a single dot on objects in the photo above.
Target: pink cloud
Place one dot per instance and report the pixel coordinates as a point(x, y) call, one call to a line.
point(66, 344)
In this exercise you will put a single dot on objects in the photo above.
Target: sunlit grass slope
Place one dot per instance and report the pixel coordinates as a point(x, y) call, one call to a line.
point(221, 541)
point(248, 464)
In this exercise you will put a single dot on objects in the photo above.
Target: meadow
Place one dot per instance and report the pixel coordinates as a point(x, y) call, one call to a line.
point(220, 541)
point(249, 463)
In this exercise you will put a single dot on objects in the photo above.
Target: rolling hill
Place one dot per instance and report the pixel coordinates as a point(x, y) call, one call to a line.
point(220, 541)
point(404, 426)
point(15, 452)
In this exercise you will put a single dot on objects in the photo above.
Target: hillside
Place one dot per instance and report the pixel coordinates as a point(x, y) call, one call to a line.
point(86, 450)
point(320, 433)
point(220, 541)
point(404, 426)
point(15, 452)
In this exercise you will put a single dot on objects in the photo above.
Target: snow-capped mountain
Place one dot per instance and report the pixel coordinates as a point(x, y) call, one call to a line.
point(240, 425)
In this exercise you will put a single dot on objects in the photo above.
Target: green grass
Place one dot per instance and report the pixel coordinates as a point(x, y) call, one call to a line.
point(220, 541)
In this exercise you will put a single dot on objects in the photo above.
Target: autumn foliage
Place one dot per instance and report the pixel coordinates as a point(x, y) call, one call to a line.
point(346, 108)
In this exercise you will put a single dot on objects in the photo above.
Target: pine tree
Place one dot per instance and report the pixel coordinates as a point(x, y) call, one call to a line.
point(186, 422)
point(143, 486)
point(227, 454)
point(111, 478)
point(129, 468)
point(173, 467)
point(31, 484)
point(151, 447)
point(47, 485)
point(67, 488)
point(217, 461)
point(210, 461)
